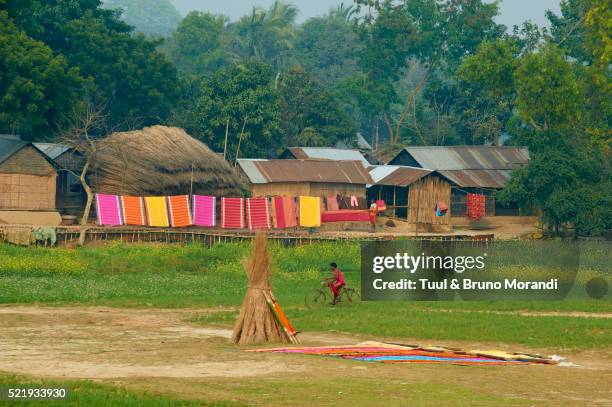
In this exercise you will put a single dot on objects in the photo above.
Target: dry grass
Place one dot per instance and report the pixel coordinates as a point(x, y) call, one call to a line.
point(160, 160)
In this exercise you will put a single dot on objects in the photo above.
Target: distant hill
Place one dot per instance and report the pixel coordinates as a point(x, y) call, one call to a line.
point(150, 17)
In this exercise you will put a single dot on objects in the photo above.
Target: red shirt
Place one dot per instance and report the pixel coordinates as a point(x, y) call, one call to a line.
point(339, 276)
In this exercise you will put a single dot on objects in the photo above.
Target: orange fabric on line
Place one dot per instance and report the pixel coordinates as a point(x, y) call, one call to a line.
point(133, 210)
point(180, 216)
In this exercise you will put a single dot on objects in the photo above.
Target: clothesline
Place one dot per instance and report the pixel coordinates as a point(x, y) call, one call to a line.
point(200, 210)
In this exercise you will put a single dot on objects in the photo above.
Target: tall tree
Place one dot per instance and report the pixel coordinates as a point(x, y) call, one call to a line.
point(326, 47)
point(310, 115)
point(267, 35)
point(123, 72)
point(435, 34)
point(239, 99)
point(198, 47)
point(37, 88)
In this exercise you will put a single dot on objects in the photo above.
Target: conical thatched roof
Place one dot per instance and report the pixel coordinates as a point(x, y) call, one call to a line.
point(160, 160)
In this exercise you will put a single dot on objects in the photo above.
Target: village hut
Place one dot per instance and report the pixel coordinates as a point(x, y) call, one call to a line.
point(411, 193)
point(70, 196)
point(306, 177)
point(160, 160)
point(469, 169)
point(27, 183)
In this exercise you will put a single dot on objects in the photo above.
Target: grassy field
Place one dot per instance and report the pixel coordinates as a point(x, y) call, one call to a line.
point(87, 393)
point(197, 276)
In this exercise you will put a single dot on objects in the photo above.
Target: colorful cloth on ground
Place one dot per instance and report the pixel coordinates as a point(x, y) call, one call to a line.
point(204, 208)
point(178, 207)
point(109, 210)
point(283, 209)
point(310, 211)
point(475, 206)
point(345, 215)
point(394, 354)
point(332, 203)
point(157, 211)
point(232, 213)
point(133, 210)
point(258, 213)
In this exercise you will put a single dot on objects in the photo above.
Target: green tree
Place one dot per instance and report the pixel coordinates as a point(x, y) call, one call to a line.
point(124, 72)
point(327, 47)
point(309, 113)
point(240, 97)
point(150, 17)
point(267, 35)
point(434, 34)
point(198, 45)
point(37, 88)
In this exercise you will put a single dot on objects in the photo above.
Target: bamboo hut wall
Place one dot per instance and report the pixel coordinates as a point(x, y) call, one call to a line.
point(27, 192)
point(422, 198)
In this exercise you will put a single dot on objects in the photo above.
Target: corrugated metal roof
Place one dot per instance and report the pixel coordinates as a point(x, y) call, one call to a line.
point(52, 150)
point(469, 157)
point(9, 145)
point(477, 178)
point(397, 175)
point(328, 153)
point(268, 171)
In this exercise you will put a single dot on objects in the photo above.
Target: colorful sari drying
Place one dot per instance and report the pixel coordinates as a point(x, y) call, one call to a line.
point(258, 213)
point(178, 206)
point(109, 210)
point(133, 210)
point(284, 215)
point(232, 213)
point(204, 210)
point(310, 211)
point(157, 213)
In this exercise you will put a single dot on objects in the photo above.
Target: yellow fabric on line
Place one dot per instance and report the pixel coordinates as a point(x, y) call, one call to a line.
point(157, 213)
point(310, 211)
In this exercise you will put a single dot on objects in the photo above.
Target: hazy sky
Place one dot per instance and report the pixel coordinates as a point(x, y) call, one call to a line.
point(512, 11)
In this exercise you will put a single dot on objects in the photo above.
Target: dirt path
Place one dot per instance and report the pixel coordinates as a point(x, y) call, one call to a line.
point(156, 349)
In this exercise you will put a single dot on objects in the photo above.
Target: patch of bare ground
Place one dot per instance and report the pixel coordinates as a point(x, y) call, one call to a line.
point(156, 350)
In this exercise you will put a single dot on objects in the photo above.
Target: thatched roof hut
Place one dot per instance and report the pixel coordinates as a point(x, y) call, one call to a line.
point(160, 160)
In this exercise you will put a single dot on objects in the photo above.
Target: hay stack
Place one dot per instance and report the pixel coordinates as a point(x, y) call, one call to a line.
point(160, 160)
point(256, 322)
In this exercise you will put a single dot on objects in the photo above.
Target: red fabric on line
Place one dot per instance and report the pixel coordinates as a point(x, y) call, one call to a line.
point(346, 215)
point(475, 206)
point(232, 213)
point(258, 213)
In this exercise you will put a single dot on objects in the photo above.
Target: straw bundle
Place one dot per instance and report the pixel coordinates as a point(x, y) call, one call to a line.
point(257, 322)
point(160, 160)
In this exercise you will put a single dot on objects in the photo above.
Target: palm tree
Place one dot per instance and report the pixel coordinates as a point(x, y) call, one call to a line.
point(266, 34)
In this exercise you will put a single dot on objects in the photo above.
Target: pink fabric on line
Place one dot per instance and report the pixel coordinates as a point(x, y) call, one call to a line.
point(109, 210)
point(204, 208)
point(354, 201)
point(290, 211)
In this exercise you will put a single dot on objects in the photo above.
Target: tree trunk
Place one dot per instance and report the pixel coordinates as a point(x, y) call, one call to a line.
point(88, 204)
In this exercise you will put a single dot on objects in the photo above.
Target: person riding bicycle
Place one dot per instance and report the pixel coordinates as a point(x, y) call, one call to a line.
point(336, 282)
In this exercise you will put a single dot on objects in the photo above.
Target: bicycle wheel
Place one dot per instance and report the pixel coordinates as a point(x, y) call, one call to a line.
point(316, 299)
point(351, 294)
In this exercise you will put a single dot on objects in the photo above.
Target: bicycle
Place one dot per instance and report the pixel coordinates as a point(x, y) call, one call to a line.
point(322, 295)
